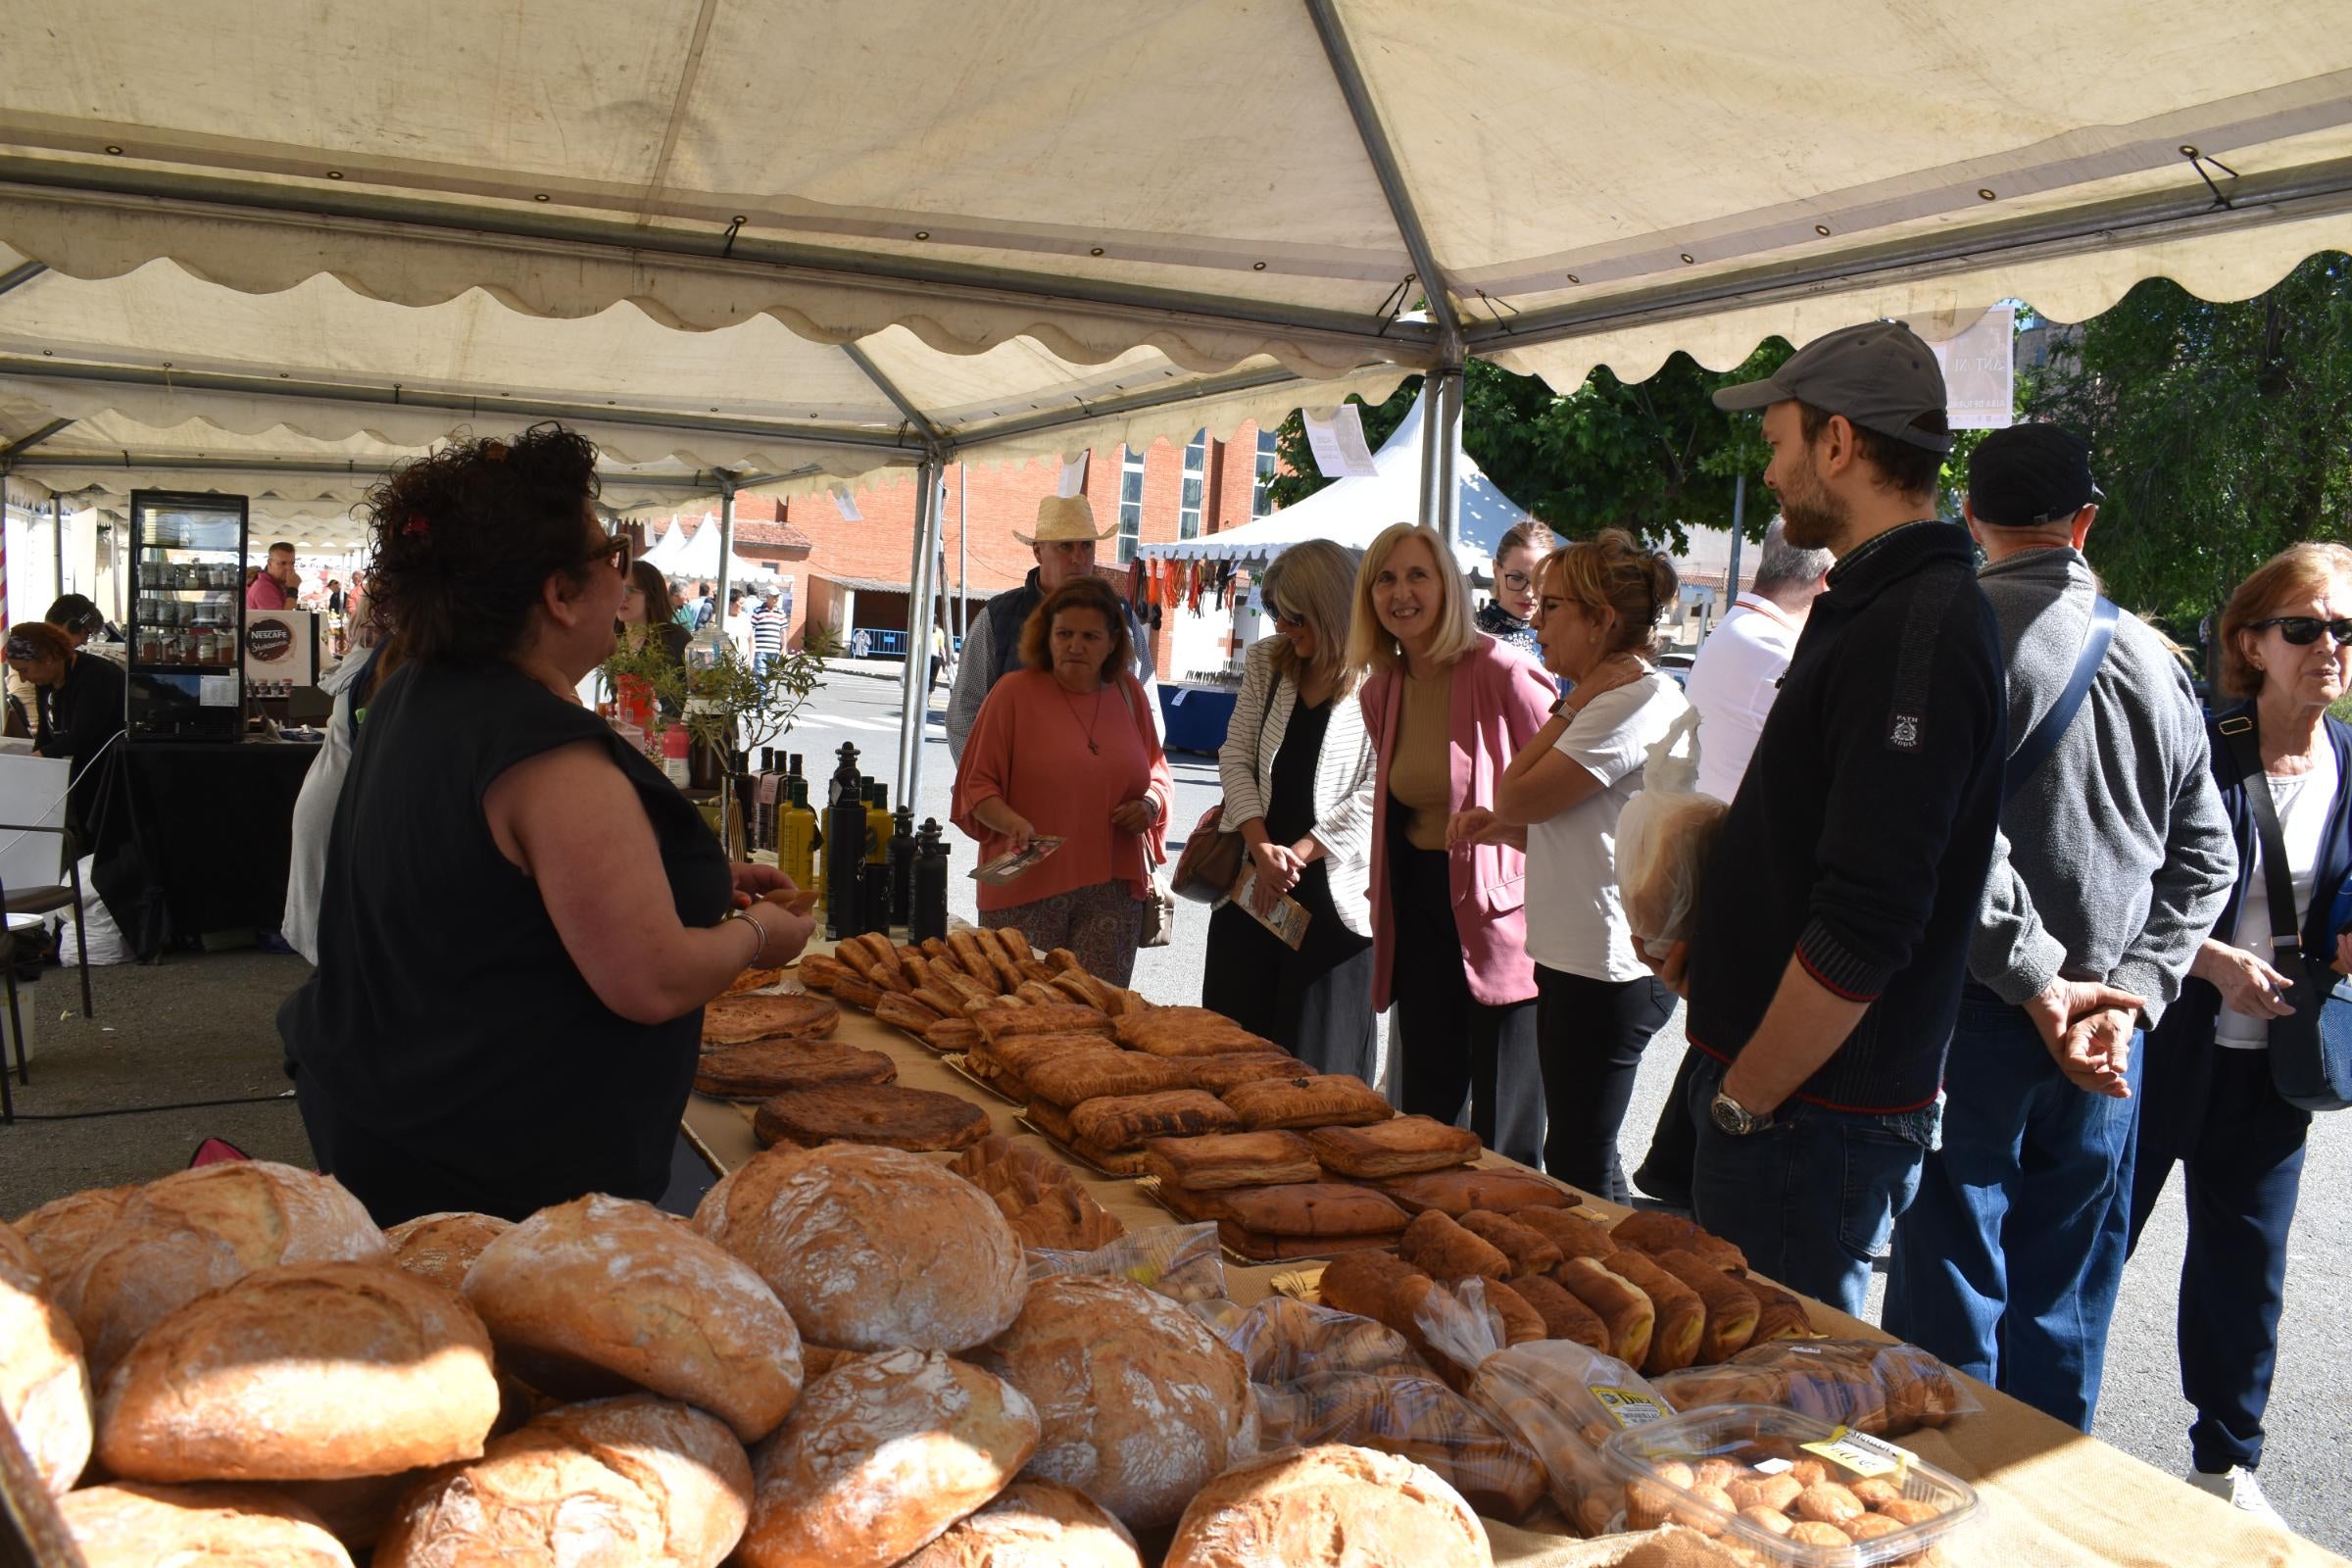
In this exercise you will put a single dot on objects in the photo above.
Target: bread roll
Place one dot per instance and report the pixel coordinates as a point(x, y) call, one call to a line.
point(128, 1525)
point(871, 1249)
point(1528, 1249)
point(308, 1372)
point(1732, 1308)
point(1682, 1318)
point(1655, 1231)
point(355, 1512)
point(1564, 1316)
point(1333, 1506)
point(1573, 1234)
point(441, 1248)
point(1034, 1524)
point(197, 1230)
point(44, 1388)
point(885, 1453)
point(1620, 1304)
point(615, 1482)
point(62, 1230)
point(1441, 1248)
point(1138, 1402)
point(604, 1294)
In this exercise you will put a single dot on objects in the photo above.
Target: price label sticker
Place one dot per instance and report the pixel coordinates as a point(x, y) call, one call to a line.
point(1862, 1453)
point(1628, 1407)
point(1772, 1467)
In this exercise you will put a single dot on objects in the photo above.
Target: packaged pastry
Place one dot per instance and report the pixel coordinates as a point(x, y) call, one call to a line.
point(1179, 1261)
point(1886, 1391)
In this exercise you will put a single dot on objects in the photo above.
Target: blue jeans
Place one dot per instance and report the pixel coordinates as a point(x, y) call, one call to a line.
point(2008, 1263)
point(1812, 1198)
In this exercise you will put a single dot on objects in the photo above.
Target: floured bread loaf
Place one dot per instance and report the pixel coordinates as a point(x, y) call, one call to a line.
point(355, 1512)
point(62, 1230)
point(606, 1295)
point(44, 1389)
point(1034, 1524)
point(197, 1230)
point(885, 1453)
point(441, 1248)
point(870, 1249)
point(611, 1483)
point(128, 1525)
point(1140, 1404)
point(309, 1372)
point(1333, 1506)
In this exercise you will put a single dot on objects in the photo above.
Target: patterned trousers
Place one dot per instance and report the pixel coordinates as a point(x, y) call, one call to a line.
point(1102, 924)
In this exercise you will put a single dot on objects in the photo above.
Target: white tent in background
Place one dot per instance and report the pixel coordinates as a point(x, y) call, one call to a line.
point(665, 547)
point(698, 558)
point(1352, 512)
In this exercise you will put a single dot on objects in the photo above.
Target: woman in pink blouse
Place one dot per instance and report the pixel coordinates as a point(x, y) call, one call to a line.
point(1066, 747)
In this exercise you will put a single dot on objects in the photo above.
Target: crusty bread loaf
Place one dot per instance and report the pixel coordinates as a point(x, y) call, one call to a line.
point(44, 1388)
point(870, 1249)
point(197, 1230)
point(130, 1525)
point(441, 1248)
point(634, 1479)
point(1138, 1402)
point(1321, 1100)
point(885, 1453)
point(606, 1295)
point(303, 1372)
point(62, 1230)
point(1034, 1524)
point(1333, 1506)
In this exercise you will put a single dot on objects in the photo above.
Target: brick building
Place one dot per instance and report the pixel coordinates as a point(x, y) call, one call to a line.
point(854, 575)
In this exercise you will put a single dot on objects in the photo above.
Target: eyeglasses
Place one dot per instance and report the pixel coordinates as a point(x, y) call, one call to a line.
point(1518, 582)
point(2303, 630)
point(617, 549)
point(1284, 617)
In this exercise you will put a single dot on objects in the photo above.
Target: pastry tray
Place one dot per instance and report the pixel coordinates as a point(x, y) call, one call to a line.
point(1072, 1153)
point(956, 1065)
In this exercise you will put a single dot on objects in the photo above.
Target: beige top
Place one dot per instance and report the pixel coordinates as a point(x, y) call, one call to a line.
point(1421, 775)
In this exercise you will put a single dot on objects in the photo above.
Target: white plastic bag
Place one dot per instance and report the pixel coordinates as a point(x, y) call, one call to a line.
point(106, 939)
point(1664, 836)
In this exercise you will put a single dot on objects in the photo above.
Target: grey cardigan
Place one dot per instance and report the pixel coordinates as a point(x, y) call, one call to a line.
point(1342, 800)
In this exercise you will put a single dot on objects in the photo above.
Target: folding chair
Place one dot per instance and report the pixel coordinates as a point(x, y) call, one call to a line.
point(50, 899)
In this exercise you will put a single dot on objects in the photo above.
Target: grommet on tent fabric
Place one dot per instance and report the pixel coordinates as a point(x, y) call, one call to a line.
point(540, 197)
point(922, 234)
point(1823, 229)
point(1097, 251)
point(2188, 150)
point(1257, 267)
point(112, 151)
point(1690, 260)
point(1573, 278)
point(1986, 195)
point(334, 173)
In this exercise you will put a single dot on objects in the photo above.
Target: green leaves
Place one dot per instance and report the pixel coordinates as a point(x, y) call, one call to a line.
point(727, 706)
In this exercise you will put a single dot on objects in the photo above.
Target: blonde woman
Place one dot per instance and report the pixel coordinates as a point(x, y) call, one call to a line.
point(1447, 707)
point(1298, 774)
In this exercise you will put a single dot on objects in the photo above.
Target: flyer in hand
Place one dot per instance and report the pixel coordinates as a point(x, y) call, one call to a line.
point(1016, 863)
point(1287, 918)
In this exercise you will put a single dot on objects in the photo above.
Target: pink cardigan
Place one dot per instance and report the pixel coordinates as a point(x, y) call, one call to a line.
point(1501, 698)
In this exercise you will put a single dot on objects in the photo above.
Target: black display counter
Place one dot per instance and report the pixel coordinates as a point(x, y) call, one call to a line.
point(216, 821)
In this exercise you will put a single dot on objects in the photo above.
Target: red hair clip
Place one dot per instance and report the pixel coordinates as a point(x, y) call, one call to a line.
point(417, 524)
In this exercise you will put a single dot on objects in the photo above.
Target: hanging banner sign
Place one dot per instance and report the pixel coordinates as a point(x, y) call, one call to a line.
point(847, 507)
point(1980, 372)
point(1073, 477)
point(1337, 438)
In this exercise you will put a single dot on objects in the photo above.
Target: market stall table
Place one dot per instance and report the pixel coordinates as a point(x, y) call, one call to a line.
point(218, 820)
point(2052, 1498)
point(1197, 714)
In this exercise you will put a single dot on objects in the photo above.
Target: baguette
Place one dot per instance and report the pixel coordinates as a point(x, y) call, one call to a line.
point(1435, 1244)
point(1732, 1308)
point(1527, 1249)
point(1682, 1318)
point(1623, 1309)
point(820, 973)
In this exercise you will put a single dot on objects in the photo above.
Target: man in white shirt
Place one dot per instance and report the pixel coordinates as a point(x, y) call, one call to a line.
point(1738, 668)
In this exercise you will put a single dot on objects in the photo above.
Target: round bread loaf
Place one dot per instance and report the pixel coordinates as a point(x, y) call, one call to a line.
point(355, 1512)
point(134, 1526)
point(61, 1231)
point(884, 1453)
point(602, 1295)
point(1334, 1506)
point(1138, 1402)
point(616, 1482)
point(871, 1249)
point(441, 1248)
point(309, 1372)
point(1034, 1524)
point(197, 1230)
point(44, 1388)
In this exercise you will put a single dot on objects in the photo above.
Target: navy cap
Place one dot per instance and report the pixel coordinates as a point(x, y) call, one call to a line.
point(2030, 475)
point(1880, 375)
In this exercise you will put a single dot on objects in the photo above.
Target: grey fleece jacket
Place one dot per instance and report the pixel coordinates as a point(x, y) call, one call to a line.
point(2114, 859)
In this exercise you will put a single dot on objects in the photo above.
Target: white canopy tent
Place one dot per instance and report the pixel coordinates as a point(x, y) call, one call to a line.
point(705, 557)
point(665, 547)
point(1061, 225)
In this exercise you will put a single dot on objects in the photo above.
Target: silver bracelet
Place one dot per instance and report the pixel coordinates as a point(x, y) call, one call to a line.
point(760, 946)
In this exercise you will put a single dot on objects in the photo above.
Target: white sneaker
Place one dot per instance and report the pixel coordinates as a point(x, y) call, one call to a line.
point(2237, 1488)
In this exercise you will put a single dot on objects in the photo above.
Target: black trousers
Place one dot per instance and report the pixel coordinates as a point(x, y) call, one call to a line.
point(1316, 1003)
point(1457, 1055)
point(1666, 1173)
point(1592, 1033)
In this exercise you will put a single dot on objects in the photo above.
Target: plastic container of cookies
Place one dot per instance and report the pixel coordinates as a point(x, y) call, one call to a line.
point(1789, 1489)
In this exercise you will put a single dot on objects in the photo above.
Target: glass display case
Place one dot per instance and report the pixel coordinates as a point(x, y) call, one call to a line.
point(187, 617)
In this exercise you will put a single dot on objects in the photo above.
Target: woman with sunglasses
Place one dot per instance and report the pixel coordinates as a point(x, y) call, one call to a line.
point(521, 920)
point(2208, 1101)
point(1297, 768)
point(1518, 562)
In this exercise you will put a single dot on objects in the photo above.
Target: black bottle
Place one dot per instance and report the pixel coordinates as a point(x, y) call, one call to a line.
point(845, 848)
point(901, 864)
point(929, 917)
point(873, 901)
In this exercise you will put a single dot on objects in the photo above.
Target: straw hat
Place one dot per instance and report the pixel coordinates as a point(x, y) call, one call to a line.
point(1063, 520)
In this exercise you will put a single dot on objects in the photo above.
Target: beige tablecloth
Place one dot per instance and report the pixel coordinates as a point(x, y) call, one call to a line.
point(2051, 1497)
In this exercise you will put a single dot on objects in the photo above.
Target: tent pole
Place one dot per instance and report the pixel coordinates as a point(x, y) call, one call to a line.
point(3, 547)
point(57, 536)
point(1730, 583)
point(964, 552)
point(1441, 435)
point(911, 700)
point(726, 547)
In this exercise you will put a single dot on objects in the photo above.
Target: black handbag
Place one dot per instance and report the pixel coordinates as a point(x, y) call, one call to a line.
point(2311, 1048)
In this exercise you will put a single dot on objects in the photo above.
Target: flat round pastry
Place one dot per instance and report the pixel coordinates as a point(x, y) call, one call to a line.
point(912, 1119)
point(1333, 1506)
point(764, 1067)
point(732, 1020)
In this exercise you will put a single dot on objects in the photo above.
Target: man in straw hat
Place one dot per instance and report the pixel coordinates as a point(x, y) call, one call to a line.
point(1064, 546)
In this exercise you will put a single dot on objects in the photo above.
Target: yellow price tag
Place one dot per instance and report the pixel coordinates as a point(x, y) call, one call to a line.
point(1628, 1407)
point(1862, 1453)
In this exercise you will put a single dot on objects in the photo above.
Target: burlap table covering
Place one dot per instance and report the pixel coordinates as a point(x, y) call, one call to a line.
point(2051, 1497)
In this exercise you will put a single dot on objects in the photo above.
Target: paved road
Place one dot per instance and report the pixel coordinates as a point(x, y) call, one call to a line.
point(2304, 1470)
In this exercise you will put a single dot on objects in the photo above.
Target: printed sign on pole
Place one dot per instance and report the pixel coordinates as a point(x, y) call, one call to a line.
point(1073, 477)
point(1980, 372)
point(1337, 438)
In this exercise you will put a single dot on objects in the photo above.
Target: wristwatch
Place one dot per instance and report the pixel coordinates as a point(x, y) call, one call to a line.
point(1737, 1119)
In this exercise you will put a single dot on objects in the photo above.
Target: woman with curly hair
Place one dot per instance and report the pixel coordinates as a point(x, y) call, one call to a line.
point(521, 920)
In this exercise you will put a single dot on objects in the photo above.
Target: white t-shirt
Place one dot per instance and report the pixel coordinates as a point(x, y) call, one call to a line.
point(2303, 803)
point(1733, 683)
point(1575, 918)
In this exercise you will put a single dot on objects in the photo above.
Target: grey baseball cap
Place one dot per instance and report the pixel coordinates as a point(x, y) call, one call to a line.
point(1878, 375)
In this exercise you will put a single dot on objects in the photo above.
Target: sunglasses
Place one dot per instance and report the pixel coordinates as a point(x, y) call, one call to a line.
point(617, 549)
point(2304, 630)
point(1282, 617)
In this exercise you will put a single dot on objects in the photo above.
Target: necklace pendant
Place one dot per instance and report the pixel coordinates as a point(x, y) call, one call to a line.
point(1091, 747)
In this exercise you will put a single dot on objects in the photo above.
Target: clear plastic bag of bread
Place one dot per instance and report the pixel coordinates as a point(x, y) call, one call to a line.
point(1888, 1390)
point(1561, 1399)
point(1664, 836)
point(1182, 1262)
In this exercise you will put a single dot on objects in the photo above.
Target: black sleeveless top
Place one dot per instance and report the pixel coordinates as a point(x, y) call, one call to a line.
point(448, 1052)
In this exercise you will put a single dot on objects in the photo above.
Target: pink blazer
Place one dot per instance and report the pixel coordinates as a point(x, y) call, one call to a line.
point(1501, 698)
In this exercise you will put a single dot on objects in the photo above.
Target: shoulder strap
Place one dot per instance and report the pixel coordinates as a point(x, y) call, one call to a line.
point(2038, 747)
point(2279, 877)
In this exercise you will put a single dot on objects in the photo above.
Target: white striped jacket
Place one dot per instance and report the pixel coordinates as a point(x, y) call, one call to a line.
point(1343, 796)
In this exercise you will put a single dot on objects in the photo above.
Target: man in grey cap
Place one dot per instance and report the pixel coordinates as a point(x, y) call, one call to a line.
point(1825, 967)
point(2114, 861)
